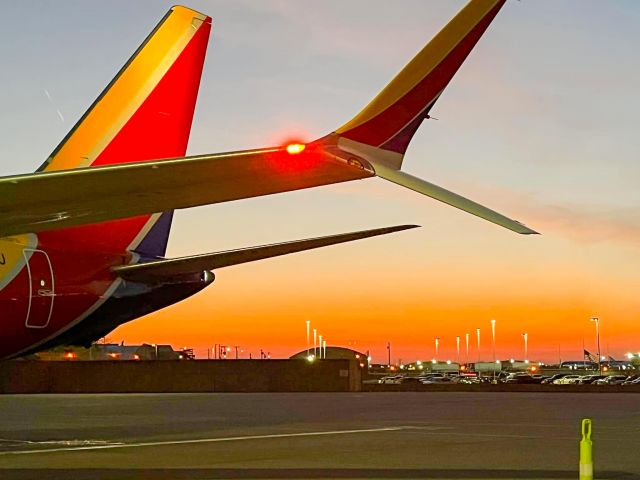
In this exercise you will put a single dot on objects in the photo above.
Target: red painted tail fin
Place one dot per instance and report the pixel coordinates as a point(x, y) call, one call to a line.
point(145, 113)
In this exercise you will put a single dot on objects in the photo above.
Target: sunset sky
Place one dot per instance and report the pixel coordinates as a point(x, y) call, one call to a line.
point(541, 123)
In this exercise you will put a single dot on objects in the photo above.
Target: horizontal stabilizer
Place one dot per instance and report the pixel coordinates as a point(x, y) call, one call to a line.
point(434, 191)
point(163, 269)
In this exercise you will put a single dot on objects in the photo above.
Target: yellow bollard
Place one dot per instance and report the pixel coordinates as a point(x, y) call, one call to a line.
point(586, 451)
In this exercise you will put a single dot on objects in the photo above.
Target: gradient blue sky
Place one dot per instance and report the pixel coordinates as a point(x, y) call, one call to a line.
point(540, 123)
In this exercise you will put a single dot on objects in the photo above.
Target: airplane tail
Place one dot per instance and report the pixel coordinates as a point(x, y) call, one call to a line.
point(145, 113)
point(391, 119)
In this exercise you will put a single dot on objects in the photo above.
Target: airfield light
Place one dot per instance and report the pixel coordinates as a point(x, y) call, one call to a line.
point(295, 148)
point(310, 358)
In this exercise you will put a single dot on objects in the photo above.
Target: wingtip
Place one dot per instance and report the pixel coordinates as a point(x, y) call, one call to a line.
point(400, 228)
point(524, 230)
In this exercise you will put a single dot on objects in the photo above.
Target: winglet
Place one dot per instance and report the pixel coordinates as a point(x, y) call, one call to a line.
point(394, 115)
point(438, 193)
point(379, 135)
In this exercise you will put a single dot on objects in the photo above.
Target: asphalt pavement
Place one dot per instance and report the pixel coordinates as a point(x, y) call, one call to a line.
point(319, 435)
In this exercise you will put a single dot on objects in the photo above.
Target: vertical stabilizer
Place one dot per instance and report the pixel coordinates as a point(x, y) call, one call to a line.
point(145, 113)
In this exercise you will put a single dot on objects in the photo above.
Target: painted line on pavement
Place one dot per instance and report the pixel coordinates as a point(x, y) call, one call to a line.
point(202, 440)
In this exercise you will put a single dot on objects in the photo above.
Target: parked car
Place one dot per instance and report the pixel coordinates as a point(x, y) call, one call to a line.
point(390, 380)
point(567, 380)
point(634, 381)
point(611, 380)
point(589, 379)
point(555, 377)
point(523, 379)
point(437, 380)
point(470, 380)
point(410, 380)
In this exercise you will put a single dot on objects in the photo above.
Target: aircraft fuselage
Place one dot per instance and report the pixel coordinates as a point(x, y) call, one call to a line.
point(50, 295)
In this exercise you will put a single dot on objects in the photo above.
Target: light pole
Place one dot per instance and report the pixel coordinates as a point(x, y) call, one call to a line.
point(467, 341)
point(389, 353)
point(315, 342)
point(320, 344)
point(324, 348)
point(478, 335)
point(458, 349)
point(437, 345)
point(597, 321)
point(493, 338)
point(525, 336)
point(308, 322)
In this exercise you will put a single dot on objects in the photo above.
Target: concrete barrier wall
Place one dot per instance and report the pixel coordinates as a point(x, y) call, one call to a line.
point(179, 376)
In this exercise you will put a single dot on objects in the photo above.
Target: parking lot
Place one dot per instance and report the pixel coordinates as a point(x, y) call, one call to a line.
point(512, 378)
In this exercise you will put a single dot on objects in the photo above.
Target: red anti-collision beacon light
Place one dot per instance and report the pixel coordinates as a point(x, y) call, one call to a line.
point(295, 148)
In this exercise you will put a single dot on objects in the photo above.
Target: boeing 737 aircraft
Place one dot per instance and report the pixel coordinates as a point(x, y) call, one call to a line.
point(83, 239)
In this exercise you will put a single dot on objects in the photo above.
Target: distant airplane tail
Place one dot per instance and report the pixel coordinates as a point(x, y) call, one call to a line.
point(145, 113)
point(391, 119)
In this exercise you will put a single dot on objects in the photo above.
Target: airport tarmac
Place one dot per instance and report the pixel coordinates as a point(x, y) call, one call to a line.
point(319, 435)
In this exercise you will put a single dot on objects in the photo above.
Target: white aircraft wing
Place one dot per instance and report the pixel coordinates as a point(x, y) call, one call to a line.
point(52, 200)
